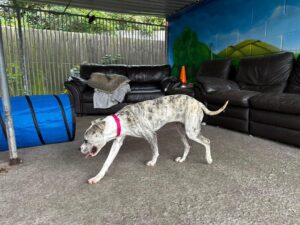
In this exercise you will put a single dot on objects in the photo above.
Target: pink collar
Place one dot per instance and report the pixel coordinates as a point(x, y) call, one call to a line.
point(117, 120)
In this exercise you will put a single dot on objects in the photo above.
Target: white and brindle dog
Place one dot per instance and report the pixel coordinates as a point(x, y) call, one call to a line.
point(143, 120)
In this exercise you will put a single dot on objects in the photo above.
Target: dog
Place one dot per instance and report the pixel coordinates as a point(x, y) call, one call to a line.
point(143, 119)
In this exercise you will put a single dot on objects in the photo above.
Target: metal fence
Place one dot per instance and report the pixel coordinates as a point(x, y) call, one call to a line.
point(42, 46)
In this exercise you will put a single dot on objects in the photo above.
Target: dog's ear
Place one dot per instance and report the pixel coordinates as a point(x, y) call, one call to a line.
point(96, 121)
point(99, 124)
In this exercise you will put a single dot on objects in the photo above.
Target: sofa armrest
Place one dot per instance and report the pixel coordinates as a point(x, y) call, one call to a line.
point(168, 83)
point(210, 84)
point(76, 88)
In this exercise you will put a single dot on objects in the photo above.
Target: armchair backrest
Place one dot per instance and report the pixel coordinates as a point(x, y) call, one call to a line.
point(294, 80)
point(152, 74)
point(220, 68)
point(265, 74)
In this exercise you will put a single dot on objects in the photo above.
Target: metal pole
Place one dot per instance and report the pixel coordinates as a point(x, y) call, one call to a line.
point(22, 52)
point(167, 42)
point(11, 140)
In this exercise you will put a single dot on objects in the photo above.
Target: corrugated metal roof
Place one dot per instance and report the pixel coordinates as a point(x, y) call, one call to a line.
point(161, 8)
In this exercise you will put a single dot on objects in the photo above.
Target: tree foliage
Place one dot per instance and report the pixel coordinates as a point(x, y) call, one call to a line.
point(77, 19)
point(190, 52)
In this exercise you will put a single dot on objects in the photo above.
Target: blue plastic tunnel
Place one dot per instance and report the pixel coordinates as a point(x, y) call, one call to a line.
point(39, 120)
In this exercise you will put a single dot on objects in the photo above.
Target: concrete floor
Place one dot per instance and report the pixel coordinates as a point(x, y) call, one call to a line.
point(251, 181)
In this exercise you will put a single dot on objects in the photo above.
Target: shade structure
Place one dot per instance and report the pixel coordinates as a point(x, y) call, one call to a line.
point(160, 8)
point(40, 119)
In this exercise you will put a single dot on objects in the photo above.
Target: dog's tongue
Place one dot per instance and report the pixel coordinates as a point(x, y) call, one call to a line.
point(91, 153)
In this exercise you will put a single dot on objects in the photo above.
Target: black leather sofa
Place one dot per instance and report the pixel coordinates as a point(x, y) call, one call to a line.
point(264, 95)
point(146, 82)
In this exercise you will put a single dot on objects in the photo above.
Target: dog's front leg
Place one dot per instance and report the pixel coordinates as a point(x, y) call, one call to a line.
point(110, 158)
point(152, 139)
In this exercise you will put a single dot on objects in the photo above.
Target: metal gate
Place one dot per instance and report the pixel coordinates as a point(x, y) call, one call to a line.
point(41, 47)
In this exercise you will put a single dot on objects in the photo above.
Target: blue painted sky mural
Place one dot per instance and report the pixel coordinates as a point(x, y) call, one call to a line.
point(222, 23)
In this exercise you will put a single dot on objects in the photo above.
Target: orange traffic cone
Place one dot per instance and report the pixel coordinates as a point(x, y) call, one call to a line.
point(183, 76)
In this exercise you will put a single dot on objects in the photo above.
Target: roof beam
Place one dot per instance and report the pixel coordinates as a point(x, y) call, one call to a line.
point(160, 8)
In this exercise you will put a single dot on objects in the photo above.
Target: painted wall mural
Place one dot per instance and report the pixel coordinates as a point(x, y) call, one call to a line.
point(232, 29)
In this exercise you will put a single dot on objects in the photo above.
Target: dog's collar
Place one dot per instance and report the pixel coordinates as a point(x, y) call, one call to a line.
point(117, 120)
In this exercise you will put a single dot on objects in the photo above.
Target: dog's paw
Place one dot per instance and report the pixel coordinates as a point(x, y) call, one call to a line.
point(94, 180)
point(179, 159)
point(150, 163)
point(209, 161)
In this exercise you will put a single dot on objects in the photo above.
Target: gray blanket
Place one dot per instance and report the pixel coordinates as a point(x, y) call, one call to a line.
point(109, 89)
point(104, 100)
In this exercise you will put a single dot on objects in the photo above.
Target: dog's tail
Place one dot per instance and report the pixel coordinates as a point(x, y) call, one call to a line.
point(213, 113)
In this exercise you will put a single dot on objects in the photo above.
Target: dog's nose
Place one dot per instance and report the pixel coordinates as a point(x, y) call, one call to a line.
point(79, 149)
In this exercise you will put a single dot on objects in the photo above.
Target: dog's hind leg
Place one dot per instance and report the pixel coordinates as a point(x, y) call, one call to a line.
point(110, 158)
point(205, 142)
point(193, 131)
point(152, 139)
point(184, 140)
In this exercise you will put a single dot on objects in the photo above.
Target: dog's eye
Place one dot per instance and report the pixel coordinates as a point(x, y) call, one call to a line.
point(85, 141)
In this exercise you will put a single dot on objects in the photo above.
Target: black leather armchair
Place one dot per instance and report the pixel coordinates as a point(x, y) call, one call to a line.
point(264, 97)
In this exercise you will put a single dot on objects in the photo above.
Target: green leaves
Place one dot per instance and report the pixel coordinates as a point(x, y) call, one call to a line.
point(188, 51)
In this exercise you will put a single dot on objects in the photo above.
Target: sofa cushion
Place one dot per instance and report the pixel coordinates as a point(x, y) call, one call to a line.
point(144, 86)
point(235, 97)
point(148, 73)
point(233, 112)
point(210, 84)
point(294, 80)
point(215, 68)
point(283, 103)
point(138, 97)
point(265, 74)
point(263, 88)
point(87, 69)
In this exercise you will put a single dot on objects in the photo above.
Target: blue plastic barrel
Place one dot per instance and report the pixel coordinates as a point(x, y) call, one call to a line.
point(40, 120)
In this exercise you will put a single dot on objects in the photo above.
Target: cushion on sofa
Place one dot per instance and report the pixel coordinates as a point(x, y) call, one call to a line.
point(132, 97)
point(148, 73)
point(87, 69)
point(283, 103)
point(265, 74)
point(279, 88)
point(210, 84)
point(294, 80)
point(216, 68)
point(107, 82)
point(235, 97)
point(144, 86)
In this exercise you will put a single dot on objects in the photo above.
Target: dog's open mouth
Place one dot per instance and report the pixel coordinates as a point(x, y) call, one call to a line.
point(92, 153)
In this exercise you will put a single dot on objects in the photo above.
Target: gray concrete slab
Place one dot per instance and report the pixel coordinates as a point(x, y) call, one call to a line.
point(251, 181)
